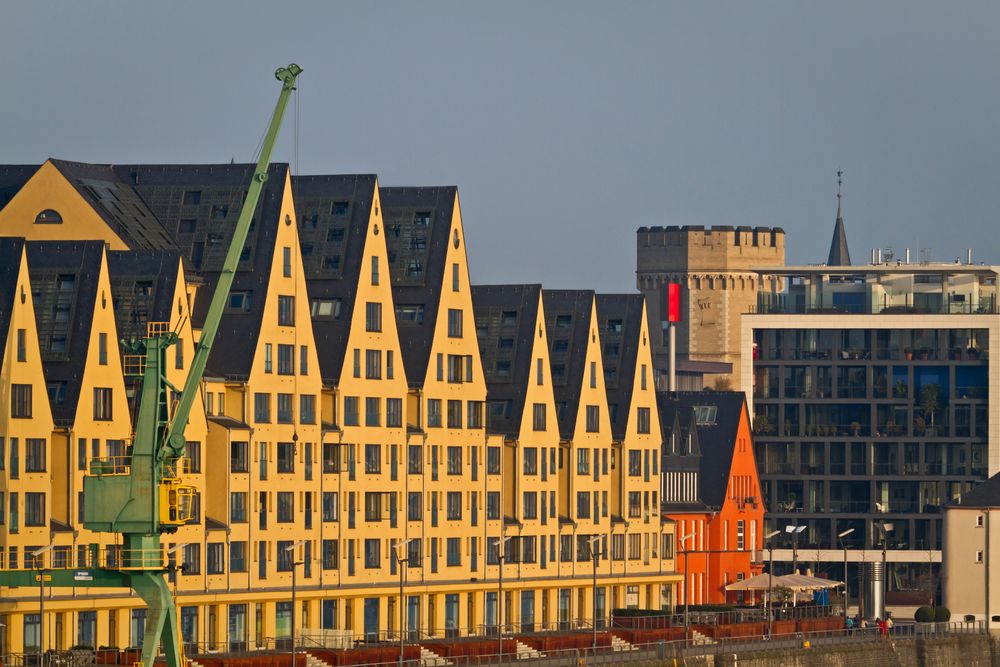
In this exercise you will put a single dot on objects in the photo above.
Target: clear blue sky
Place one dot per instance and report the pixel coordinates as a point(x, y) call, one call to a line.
point(566, 125)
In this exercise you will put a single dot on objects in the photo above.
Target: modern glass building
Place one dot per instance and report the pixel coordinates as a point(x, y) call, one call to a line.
point(871, 389)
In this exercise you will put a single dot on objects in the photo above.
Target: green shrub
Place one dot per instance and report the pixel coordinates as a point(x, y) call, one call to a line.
point(924, 615)
point(942, 614)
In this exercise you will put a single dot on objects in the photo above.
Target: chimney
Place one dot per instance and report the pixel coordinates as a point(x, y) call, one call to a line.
point(907, 255)
point(968, 259)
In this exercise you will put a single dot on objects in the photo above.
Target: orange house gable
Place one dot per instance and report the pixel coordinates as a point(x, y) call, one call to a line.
point(712, 492)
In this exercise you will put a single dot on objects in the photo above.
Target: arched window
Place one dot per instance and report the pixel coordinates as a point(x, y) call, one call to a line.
point(48, 217)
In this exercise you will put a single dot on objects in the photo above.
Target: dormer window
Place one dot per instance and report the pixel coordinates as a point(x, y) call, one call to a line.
point(48, 217)
point(704, 415)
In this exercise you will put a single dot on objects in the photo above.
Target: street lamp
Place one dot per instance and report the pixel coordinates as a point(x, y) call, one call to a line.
point(794, 532)
point(841, 536)
point(596, 554)
point(37, 555)
point(295, 564)
point(501, 543)
point(400, 561)
point(885, 527)
point(687, 592)
point(770, 577)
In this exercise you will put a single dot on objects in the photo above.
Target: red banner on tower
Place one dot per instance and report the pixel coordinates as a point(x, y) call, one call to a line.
point(673, 302)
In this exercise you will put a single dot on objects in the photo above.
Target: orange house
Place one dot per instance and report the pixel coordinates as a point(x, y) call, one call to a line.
point(711, 490)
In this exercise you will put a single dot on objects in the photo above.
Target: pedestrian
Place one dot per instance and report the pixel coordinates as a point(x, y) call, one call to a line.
point(849, 625)
point(864, 624)
point(888, 624)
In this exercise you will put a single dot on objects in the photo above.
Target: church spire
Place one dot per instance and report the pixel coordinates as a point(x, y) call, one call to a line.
point(840, 255)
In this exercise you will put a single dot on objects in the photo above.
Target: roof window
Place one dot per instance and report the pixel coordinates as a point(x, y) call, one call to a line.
point(187, 226)
point(331, 263)
point(563, 321)
point(340, 208)
point(48, 217)
point(192, 197)
point(704, 415)
point(422, 218)
point(326, 308)
point(508, 318)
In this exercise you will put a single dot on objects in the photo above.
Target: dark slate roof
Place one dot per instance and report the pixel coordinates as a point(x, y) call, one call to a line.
point(717, 442)
point(619, 318)
point(985, 494)
point(417, 222)
point(10, 266)
point(142, 288)
point(118, 204)
point(64, 280)
point(505, 325)
point(199, 205)
point(333, 214)
point(567, 320)
point(12, 179)
point(839, 255)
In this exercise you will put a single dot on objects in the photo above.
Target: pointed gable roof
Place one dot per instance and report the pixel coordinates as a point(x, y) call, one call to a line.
point(716, 416)
point(204, 202)
point(505, 325)
point(64, 280)
point(567, 319)
point(984, 494)
point(619, 319)
point(417, 226)
point(839, 255)
point(11, 250)
point(333, 213)
point(142, 288)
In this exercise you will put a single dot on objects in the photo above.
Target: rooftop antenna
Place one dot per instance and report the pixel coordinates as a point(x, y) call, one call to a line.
point(840, 180)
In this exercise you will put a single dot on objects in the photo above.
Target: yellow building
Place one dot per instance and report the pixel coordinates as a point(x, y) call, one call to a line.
point(368, 417)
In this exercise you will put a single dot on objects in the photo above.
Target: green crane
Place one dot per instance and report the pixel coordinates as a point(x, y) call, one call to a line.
point(142, 495)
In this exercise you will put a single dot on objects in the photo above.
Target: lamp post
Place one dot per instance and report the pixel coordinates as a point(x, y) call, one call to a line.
point(794, 531)
point(295, 564)
point(37, 555)
point(885, 527)
point(596, 554)
point(501, 543)
point(687, 592)
point(770, 578)
point(841, 536)
point(400, 561)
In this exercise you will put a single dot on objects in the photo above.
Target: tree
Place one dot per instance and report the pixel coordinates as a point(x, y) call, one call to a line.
point(722, 384)
point(930, 401)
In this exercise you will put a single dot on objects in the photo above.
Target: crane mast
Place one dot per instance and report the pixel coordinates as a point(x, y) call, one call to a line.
point(141, 495)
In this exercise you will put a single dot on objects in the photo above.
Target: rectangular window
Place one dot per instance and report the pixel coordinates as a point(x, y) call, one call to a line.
point(454, 549)
point(373, 315)
point(34, 455)
point(268, 358)
point(454, 277)
point(357, 363)
point(642, 420)
point(286, 359)
point(593, 419)
point(454, 460)
point(634, 463)
point(538, 417)
point(530, 457)
point(414, 460)
point(286, 262)
point(102, 349)
point(582, 504)
point(456, 368)
point(492, 505)
point(642, 377)
point(351, 417)
point(20, 401)
point(530, 505)
point(303, 359)
point(179, 354)
point(238, 507)
point(474, 414)
point(593, 374)
point(237, 556)
point(192, 450)
point(394, 412)
point(634, 504)
point(216, 556)
point(286, 311)
point(373, 364)
point(454, 505)
point(373, 459)
point(374, 269)
point(331, 556)
point(493, 460)
point(434, 412)
point(373, 558)
point(286, 457)
point(389, 370)
point(740, 534)
point(262, 408)
point(286, 507)
point(102, 404)
point(454, 414)
point(454, 323)
point(414, 506)
point(307, 409)
point(583, 461)
point(285, 415)
point(331, 506)
point(373, 412)
point(374, 506)
point(539, 371)
point(22, 352)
